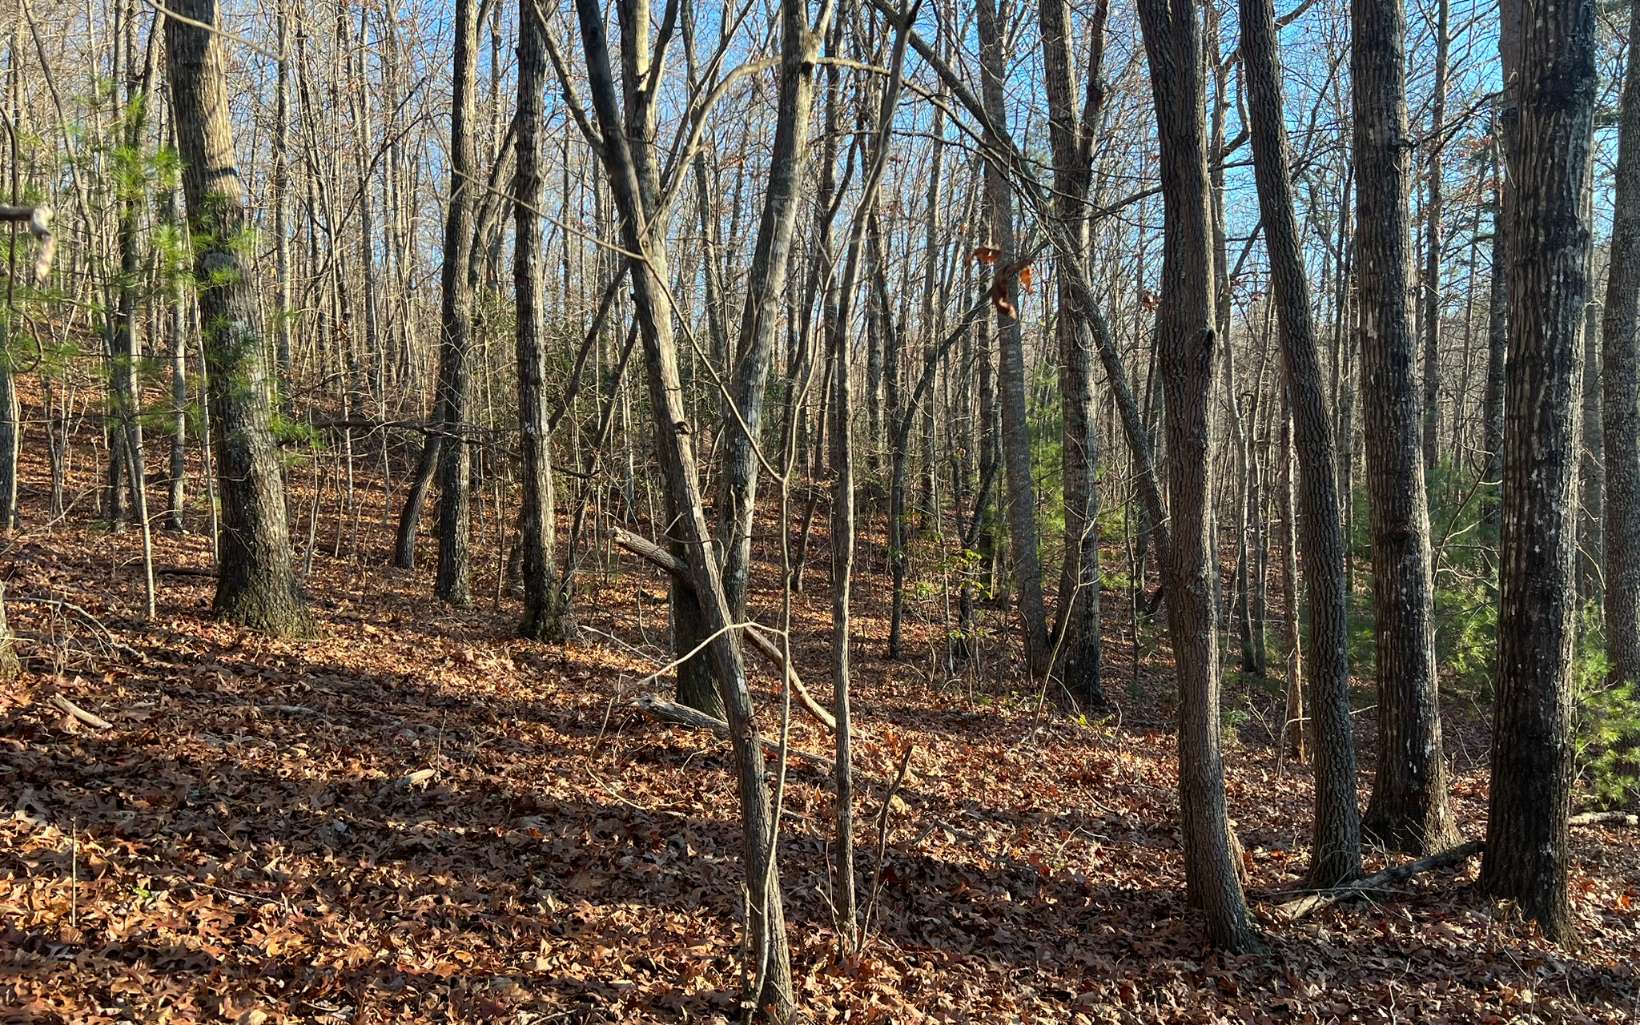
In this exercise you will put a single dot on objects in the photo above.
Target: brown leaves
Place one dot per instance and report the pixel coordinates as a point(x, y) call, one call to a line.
point(1000, 291)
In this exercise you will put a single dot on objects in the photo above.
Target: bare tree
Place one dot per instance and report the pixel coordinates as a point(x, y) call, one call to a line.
point(1336, 848)
point(1621, 386)
point(1188, 348)
point(1408, 807)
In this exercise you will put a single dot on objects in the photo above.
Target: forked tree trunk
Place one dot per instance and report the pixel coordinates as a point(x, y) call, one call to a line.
point(627, 148)
point(1071, 138)
point(1527, 843)
point(760, 316)
point(256, 585)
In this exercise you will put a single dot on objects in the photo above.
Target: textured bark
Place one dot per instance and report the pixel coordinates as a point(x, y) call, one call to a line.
point(1016, 434)
point(455, 319)
point(171, 213)
point(1591, 449)
point(1621, 387)
point(404, 539)
point(1408, 809)
point(1071, 137)
point(627, 149)
point(256, 585)
point(1527, 836)
point(1188, 347)
point(545, 616)
point(1336, 848)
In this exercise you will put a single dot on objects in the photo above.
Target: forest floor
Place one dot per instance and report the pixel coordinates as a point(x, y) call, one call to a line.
point(414, 816)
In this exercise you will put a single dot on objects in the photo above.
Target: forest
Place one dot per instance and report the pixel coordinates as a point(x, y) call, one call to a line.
point(883, 511)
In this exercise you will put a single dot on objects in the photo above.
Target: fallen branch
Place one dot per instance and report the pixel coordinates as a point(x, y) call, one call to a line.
point(756, 635)
point(91, 719)
point(1604, 818)
point(1295, 909)
point(674, 714)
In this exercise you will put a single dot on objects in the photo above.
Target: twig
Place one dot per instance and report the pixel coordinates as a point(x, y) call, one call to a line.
point(91, 719)
point(882, 839)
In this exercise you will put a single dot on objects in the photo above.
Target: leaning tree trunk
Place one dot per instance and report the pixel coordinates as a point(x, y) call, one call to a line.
point(1621, 385)
point(1527, 843)
point(1408, 809)
point(1188, 349)
point(546, 617)
point(256, 585)
point(1335, 853)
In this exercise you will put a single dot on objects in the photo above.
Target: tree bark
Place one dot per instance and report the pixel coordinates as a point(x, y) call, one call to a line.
point(1432, 243)
point(1335, 854)
point(545, 616)
point(1016, 435)
point(1621, 386)
point(256, 586)
point(455, 320)
point(1071, 137)
point(1188, 348)
point(1527, 839)
point(626, 147)
point(760, 318)
point(1408, 809)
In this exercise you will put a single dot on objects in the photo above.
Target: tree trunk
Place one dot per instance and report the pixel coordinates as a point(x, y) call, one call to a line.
point(1527, 843)
point(1071, 139)
point(455, 320)
point(545, 616)
point(1621, 386)
point(627, 148)
point(1336, 847)
point(1188, 348)
point(1408, 809)
point(1432, 245)
point(256, 586)
point(1016, 435)
point(760, 316)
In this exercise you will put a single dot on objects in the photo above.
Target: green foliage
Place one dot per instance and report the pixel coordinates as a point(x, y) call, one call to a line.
point(295, 433)
point(1607, 722)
